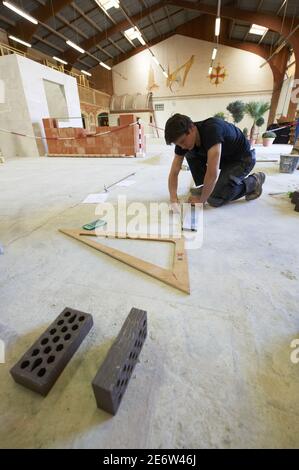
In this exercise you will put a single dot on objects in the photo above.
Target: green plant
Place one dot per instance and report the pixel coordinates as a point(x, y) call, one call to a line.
point(237, 110)
point(269, 135)
point(245, 132)
point(256, 109)
point(220, 116)
point(260, 121)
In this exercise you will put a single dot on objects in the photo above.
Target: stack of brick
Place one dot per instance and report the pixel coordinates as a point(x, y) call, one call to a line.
point(122, 141)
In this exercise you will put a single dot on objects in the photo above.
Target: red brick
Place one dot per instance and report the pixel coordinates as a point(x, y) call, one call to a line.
point(125, 119)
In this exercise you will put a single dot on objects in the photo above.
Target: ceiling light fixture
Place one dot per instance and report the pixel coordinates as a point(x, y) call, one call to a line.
point(74, 46)
point(214, 53)
point(134, 33)
point(20, 41)
point(20, 12)
point(60, 60)
point(105, 66)
point(258, 30)
point(218, 19)
point(107, 4)
point(86, 73)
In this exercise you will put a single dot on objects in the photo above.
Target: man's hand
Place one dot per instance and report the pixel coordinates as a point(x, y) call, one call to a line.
point(175, 206)
point(195, 200)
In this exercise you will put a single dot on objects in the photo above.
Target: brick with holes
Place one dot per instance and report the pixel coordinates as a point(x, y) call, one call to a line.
point(41, 365)
point(111, 380)
point(295, 197)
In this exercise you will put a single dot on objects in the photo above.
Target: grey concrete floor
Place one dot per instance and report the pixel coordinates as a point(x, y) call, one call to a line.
point(215, 370)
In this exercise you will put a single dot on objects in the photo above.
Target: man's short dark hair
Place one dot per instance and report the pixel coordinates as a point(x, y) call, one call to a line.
point(176, 126)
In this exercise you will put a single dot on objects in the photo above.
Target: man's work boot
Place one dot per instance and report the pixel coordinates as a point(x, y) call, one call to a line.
point(260, 179)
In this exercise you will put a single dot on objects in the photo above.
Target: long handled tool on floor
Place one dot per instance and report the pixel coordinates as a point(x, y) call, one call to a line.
point(113, 184)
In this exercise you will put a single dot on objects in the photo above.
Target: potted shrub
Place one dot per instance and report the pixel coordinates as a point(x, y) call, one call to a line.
point(268, 138)
point(237, 110)
point(245, 132)
point(256, 110)
point(220, 115)
point(259, 123)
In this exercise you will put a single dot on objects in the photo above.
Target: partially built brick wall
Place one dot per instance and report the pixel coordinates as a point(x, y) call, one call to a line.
point(77, 142)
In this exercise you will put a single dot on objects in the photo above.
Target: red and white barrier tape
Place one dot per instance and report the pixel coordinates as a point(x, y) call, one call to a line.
point(273, 130)
point(99, 134)
point(156, 127)
point(284, 127)
point(139, 137)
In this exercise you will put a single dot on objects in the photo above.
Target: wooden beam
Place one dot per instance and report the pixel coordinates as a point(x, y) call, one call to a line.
point(48, 43)
point(6, 20)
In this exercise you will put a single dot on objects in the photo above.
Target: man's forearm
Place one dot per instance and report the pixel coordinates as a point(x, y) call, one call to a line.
point(173, 186)
point(209, 184)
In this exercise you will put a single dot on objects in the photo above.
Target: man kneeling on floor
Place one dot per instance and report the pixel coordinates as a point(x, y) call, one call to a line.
point(219, 158)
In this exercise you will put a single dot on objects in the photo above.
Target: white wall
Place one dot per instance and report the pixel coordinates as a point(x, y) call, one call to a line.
point(14, 112)
point(198, 98)
point(56, 99)
point(199, 108)
point(244, 73)
point(33, 75)
point(26, 102)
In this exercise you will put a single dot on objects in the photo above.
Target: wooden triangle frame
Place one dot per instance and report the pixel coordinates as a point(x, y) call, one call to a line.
point(177, 277)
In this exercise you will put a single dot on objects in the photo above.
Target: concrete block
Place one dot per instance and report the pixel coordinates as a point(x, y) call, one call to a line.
point(39, 368)
point(112, 378)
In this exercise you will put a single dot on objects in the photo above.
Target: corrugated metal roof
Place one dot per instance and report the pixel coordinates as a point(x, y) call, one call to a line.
point(73, 25)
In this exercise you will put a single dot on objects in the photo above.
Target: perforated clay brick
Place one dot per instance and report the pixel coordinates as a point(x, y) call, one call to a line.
point(44, 361)
point(112, 378)
point(295, 197)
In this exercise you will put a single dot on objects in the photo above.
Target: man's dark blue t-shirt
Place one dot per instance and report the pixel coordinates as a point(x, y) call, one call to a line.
point(214, 131)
